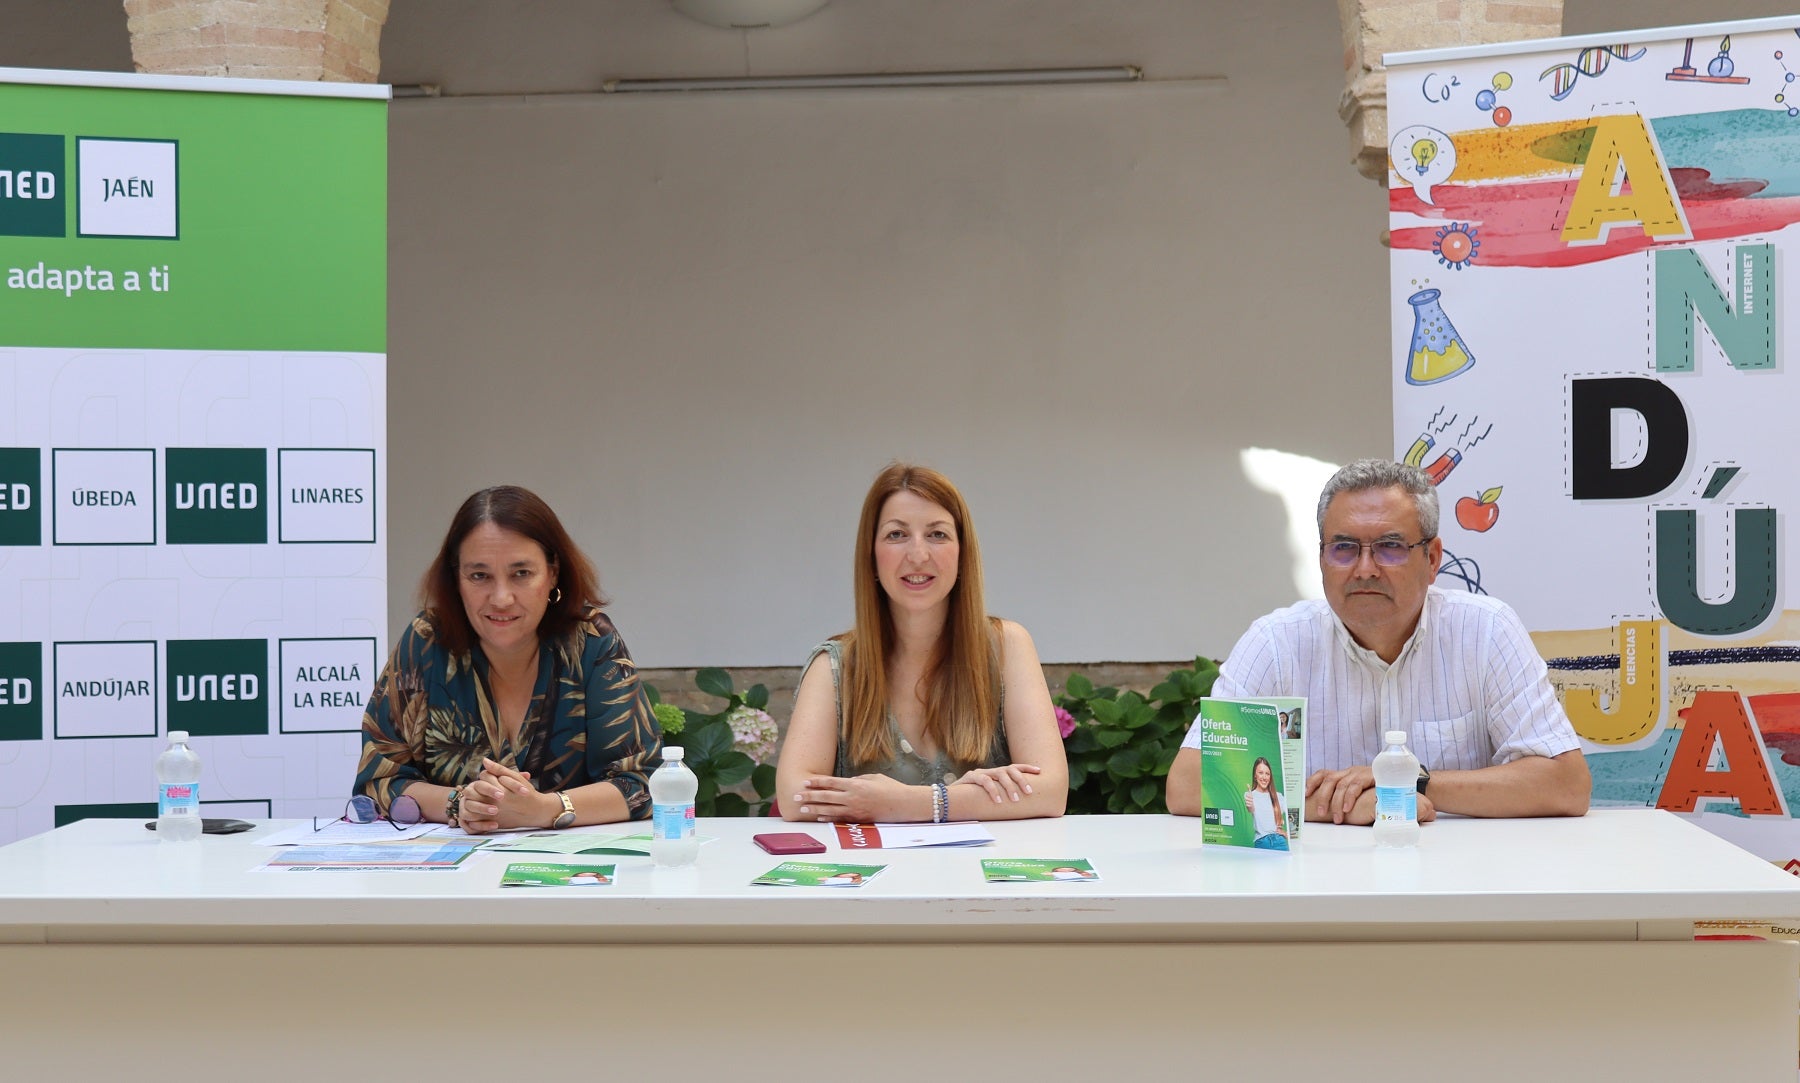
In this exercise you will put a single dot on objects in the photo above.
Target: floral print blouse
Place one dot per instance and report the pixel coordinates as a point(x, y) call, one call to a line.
point(432, 717)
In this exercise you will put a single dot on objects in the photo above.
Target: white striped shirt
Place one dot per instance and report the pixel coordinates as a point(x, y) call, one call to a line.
point(1468, 688)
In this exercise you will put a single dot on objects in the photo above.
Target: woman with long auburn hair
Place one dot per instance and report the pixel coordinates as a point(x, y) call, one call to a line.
point(929, 709)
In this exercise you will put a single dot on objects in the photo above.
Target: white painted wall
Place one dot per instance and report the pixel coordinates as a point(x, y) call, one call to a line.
point(699, 326)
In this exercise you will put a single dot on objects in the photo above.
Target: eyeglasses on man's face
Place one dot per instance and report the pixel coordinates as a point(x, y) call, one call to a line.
point(403, 813)
point(1387, 552)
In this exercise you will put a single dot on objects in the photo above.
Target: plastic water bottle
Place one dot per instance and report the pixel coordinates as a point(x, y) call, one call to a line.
point(672, 789)
point(1396, 793)
point(178, 791)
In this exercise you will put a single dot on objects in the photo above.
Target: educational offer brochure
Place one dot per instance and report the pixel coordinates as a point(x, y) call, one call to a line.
point(904, 836)
point(1073, 870)
point(577, 843)
point(556, 874)
point(816, 874)
point(1252, 771)
point(410, 855)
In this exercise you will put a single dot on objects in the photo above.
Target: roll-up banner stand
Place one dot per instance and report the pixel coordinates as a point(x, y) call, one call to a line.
point(1594, 311)
point(193, 535)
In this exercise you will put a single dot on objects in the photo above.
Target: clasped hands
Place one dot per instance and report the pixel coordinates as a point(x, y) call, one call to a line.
point(1348, 797)
point(880, 799)
point(503, 799)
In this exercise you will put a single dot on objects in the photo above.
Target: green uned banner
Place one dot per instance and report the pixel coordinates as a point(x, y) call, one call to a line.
point(168, 219)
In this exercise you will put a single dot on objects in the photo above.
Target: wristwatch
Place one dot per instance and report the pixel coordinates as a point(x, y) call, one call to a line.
point(568, 813)
point(1424, 777)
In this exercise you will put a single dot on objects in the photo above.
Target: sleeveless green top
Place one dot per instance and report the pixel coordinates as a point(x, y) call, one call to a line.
point(907, 766)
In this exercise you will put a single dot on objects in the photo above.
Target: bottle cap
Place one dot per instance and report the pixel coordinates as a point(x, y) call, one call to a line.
point(1396, 737)
point(673, 753)
point(178, 736)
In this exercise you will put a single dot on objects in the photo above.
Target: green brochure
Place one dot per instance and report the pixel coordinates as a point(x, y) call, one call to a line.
point(817, 874)
point(1252, 771)
point(1038, 868)
point(575, 843)
point(555, 874)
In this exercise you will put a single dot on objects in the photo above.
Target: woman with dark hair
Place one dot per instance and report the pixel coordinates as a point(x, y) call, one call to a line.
point(510, 701)
point(929, 709)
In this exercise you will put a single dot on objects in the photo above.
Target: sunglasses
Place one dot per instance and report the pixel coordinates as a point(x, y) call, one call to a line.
point(403, 813)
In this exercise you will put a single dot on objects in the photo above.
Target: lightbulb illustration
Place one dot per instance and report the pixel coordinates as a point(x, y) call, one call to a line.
point(1422, 156)
point(1423, 152)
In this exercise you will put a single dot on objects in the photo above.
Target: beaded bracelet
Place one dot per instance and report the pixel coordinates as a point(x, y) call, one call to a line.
point(940, 802)
point(453, 806)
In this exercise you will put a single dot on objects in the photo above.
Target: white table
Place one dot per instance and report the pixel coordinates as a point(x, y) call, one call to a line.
point(1520, 949)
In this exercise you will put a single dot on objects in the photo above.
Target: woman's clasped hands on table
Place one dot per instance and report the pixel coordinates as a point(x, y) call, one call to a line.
point(503, 799)
point(879, 798)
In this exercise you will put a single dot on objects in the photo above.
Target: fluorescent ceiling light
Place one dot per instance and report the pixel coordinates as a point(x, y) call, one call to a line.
point(1124, 73)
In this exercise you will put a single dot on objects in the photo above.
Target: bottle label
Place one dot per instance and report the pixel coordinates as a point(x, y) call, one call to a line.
point(1396, 804)
point(178, 799)
point(672, 822)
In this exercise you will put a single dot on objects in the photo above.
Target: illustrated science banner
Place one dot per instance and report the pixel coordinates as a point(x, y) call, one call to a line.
point(1594, 270)
point(192, 427)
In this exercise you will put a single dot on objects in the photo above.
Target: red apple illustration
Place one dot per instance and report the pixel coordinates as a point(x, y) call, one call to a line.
point(1479, 513)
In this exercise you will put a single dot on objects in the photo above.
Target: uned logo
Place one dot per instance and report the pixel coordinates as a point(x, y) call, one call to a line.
point(216, 496)
point(32, 201)
point(21, 521)
point(21, 681)
point(218, 686)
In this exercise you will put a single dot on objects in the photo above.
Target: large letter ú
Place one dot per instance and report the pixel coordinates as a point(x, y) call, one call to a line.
point(1753, 559)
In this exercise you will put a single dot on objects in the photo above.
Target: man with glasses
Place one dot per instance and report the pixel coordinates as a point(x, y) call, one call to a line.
point(1387, 650)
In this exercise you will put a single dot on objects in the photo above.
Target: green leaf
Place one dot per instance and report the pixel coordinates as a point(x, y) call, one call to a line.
point(1078, 773)
point(707, 791)
point(709, 737)
point(651, 694)
point(1137, 715)
point(1111, 738)
point(1079, 686)
point(1107, 711)
point(696, 720)
point(763, 780)
point(732, 767)
point(757, 697)
point(1165, 759)
point(730, 804)
point(1144, 793)
point(1169, 689)
point(1124, 764)
point(714, 682)
point(1082, 740)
